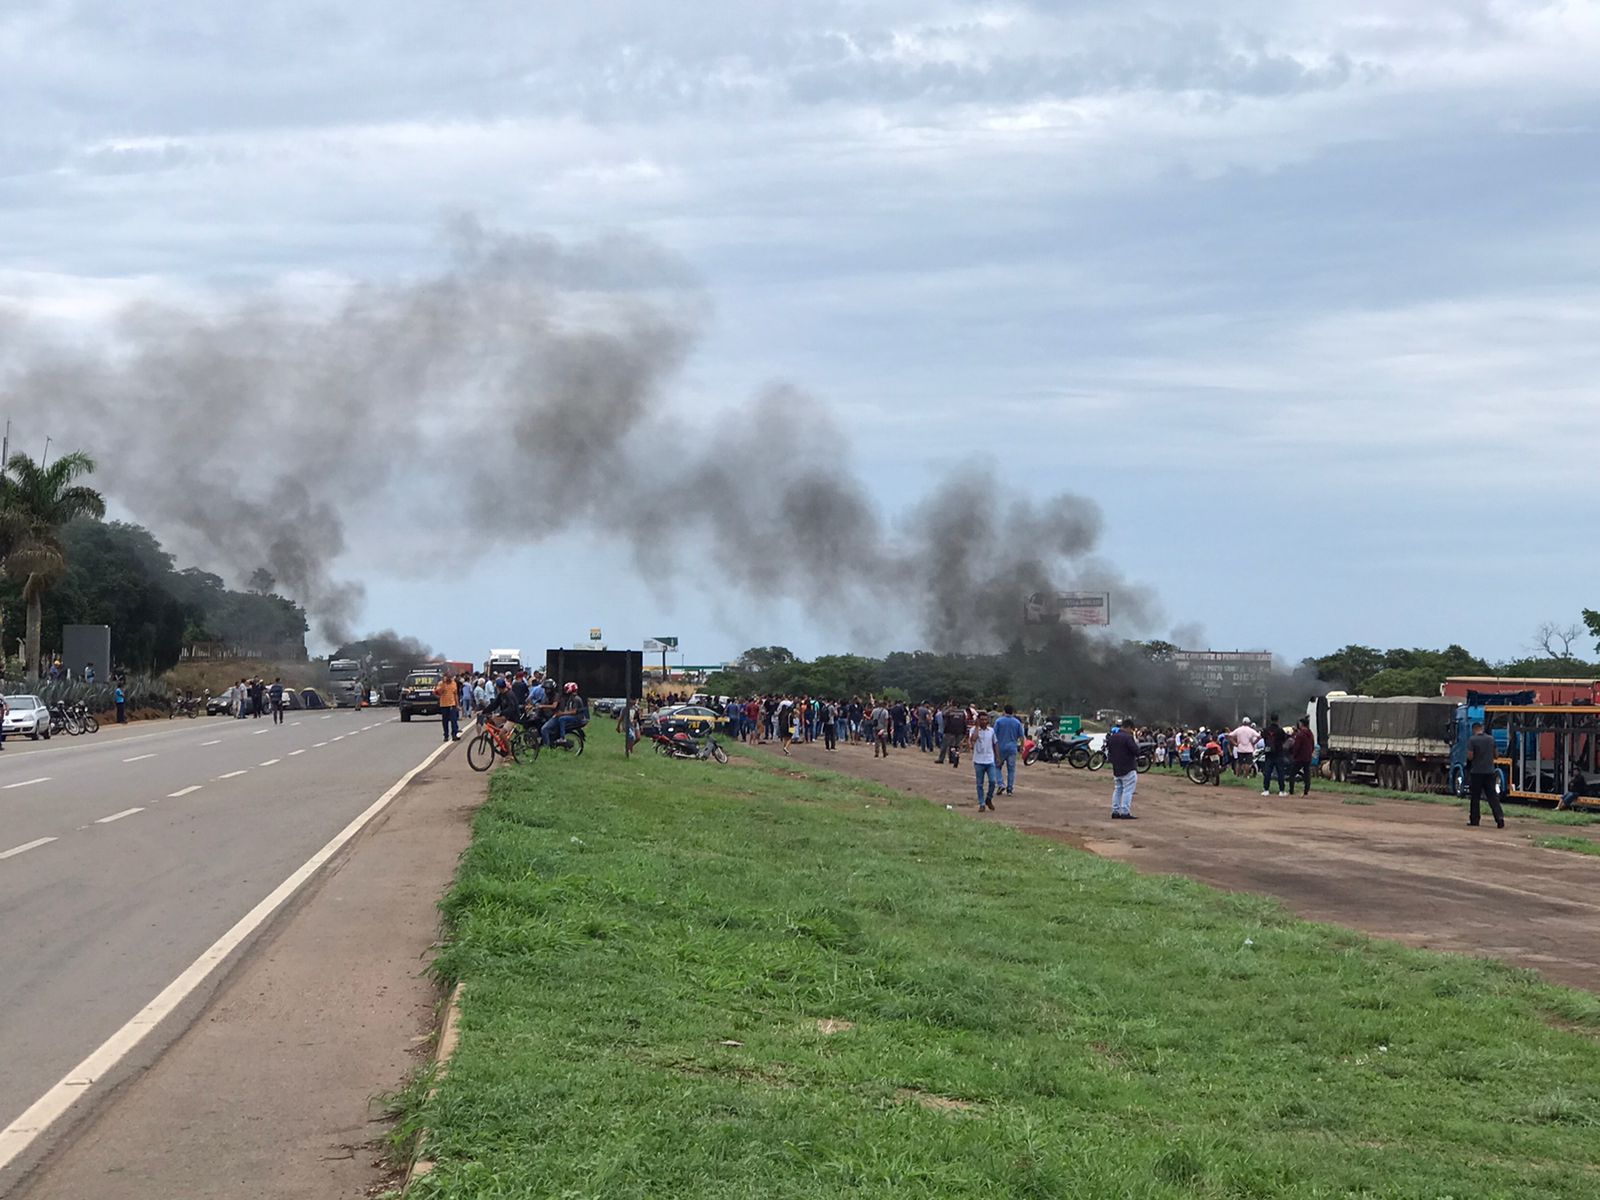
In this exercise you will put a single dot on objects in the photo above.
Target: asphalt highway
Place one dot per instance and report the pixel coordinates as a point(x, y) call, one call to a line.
point(124, 855)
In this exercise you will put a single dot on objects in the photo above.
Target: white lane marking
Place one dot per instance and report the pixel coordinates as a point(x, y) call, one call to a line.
point(16, 1137)
point(259, 732)
point(341, 737)
point(352, 733)
point(127, 812)
point(270, 762)
point(193, 787)
point(138, 758)
point(292, 753)
point(329, 717)
point(233, 774)
point(28, 782)
point(25, 847)
point(218, 742)
point(294, 722)
point(319, 745)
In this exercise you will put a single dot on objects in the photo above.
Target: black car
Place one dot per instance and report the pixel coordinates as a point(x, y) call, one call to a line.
point(417, 696)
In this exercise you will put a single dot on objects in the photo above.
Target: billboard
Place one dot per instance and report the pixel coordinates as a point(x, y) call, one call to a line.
point(598, 673)
point(82, 645)
point(1224, 673)
point(1067, 608)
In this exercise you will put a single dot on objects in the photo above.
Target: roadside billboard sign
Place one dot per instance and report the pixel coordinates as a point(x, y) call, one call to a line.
point(1067, 608)
point(1224, 673)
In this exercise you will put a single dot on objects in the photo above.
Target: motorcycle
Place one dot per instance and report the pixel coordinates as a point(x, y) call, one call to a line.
point(682, 745)
point(1052, 748)
point(62, 721)
point(187, 706)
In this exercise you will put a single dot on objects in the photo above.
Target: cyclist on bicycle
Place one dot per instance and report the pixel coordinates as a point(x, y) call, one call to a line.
point(571, 713)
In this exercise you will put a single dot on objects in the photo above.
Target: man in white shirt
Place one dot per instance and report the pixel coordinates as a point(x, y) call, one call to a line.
point(984, 766)
point(1245, 739)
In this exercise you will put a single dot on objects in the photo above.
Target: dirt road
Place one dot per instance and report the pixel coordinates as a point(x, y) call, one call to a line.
point(1398, 869)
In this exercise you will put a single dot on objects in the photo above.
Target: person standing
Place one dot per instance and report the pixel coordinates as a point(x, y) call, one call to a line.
point(984, 768)
point(277, 700)
point(882, 730)
point(4, 709)
point(1276, 739)
point(785, 724)
point(1008, 735)
point(1302, 749)
point(830, 725)
point(1244, 740)
point(449, 693)
point(122, 705)
point(955, 733)
point(1123, 752)
point(1481, 775)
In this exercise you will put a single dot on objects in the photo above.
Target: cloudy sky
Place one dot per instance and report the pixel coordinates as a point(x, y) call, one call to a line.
point(1305, 296)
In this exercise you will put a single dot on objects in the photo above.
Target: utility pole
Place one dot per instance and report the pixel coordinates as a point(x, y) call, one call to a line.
point(46, 457)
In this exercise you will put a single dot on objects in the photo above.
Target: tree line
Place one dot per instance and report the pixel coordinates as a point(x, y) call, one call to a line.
point(65, 565)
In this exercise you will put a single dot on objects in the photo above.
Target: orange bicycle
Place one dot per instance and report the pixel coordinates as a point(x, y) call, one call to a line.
point(492, 742)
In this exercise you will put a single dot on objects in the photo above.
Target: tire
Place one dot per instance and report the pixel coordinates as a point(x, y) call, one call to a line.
point(664, 750)
point(1078, 758)
point(1143, 763)
point(90, 723)
point(405, 714)
point(1096, 760)
point(47, 733)
point(481, 752)
point(718, 753)
point(34, 736)
point(1197, 772)
point(193, 713)
point(1031, 757)
point(575, 743)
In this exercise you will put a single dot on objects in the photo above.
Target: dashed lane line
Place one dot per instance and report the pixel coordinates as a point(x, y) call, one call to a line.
point(270, 762)
point(25, 847)
point(340, 738)
point(319, 745)
point(127, 812)
point(192, 788)
point(292, 753)
point(233, 774)
point(27, 782)
point(138, 758)
point(218, 742)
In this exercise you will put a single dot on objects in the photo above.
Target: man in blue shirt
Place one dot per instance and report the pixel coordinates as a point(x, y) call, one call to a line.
point(1008, 735)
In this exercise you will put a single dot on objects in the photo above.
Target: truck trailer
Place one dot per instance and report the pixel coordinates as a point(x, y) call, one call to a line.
point(1403, 743)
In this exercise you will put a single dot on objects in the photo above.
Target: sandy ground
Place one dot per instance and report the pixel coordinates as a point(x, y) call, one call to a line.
point(1411, 871)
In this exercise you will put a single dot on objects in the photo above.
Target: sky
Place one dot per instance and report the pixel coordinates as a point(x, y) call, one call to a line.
point(1305, 297)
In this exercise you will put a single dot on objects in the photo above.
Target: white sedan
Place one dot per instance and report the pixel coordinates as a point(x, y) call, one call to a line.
point(27, 714)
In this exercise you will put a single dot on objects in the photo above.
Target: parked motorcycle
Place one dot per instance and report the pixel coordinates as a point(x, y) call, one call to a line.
point(683, 745)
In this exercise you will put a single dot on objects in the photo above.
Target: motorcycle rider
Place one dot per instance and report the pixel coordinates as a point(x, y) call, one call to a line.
point(571, 713)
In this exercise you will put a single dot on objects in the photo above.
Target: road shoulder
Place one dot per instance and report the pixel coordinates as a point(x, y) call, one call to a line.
point(270, 1092)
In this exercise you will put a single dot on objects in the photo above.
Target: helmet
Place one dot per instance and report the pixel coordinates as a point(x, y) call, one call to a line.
point(571, 689)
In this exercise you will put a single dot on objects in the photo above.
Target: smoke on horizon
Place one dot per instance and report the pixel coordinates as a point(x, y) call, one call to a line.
point(261, 432)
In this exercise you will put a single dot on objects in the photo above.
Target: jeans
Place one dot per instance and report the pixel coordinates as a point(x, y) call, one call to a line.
point(1122, 789)
point(1300, 771)
point(450, 718)
point(841, 729)
point(1009, 758)
point(927, 737)
point(986, 772)
point(1482, 785)
point(1271, 765)
point(558, 727)
point(829, 735)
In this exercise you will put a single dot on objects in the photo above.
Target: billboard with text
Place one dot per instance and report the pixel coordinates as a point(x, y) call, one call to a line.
point(1067, 608)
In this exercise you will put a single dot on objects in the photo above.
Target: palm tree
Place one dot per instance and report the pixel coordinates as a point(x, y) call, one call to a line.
point(35, 502)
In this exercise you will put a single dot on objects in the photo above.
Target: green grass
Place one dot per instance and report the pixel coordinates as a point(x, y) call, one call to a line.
point(1575, 844)
point(649, 946)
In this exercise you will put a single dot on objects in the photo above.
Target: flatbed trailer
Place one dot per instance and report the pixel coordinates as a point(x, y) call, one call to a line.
point(1544, 747)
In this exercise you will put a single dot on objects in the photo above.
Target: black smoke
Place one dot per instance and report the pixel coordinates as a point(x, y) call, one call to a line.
point(534, 376)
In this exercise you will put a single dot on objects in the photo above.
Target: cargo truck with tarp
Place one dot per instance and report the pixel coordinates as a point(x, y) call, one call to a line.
point(1402, 743)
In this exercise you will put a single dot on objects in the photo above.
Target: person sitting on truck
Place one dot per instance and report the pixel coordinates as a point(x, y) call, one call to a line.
point(571, 713)
point(1577, 790)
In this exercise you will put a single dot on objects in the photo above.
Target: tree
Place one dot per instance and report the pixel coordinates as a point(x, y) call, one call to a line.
point(262, 581)
point(764, 658)
point(35, 503)
point(1556, 640)
point(1351, 666)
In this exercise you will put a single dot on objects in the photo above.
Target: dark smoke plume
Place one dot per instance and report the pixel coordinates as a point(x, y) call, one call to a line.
point(262, 433)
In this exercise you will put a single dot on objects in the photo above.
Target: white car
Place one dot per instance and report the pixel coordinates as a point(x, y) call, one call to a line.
point(27, 714)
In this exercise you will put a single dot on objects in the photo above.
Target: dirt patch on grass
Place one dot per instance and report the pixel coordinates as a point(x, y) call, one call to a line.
point(938, 1104)
point(828, 1026)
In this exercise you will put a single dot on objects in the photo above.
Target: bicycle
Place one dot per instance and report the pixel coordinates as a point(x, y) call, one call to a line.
point(491, 742)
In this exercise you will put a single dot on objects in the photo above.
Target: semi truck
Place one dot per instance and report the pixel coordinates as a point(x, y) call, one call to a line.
point(503, 662)
point(1403, 743)
point(346, 688)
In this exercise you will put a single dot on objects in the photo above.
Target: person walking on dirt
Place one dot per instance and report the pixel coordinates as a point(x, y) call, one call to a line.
point(276, 692)
point(1276, 739)
point(1123, 752)
point(1302, 749)
point(449, 693)
point(1008, 735)
point(1481, 775)
point(955, 733)
point(984, 767)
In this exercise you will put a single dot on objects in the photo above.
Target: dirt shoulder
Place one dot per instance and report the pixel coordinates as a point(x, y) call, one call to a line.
point(1410, 871)
point(271, 1093)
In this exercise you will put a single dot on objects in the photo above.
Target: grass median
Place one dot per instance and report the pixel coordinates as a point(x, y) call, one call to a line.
point(686, 980)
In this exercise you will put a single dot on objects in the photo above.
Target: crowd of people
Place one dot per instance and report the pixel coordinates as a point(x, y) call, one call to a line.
point(527, 698)
point(1283, 755)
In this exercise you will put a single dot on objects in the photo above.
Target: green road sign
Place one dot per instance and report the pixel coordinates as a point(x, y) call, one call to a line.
point(1070, 726)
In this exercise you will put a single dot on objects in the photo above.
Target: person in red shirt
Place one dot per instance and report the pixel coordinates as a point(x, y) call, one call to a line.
point(1302, 749)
